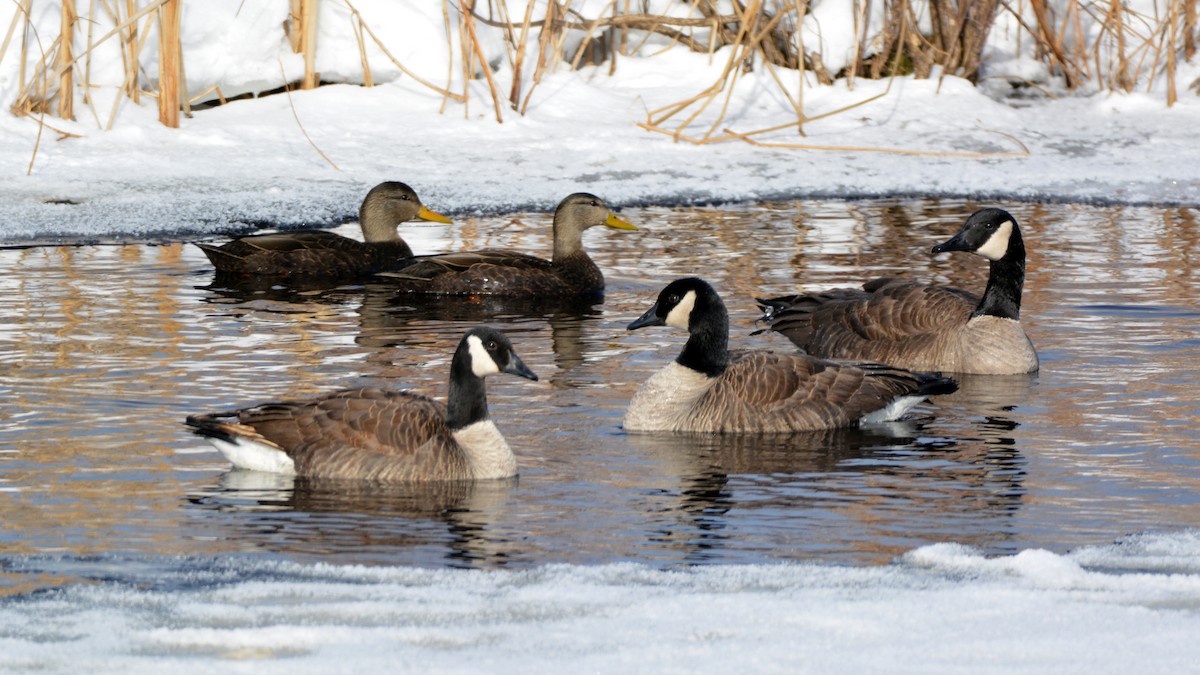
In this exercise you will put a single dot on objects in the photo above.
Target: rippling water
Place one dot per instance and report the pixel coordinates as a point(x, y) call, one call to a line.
point(105, 349)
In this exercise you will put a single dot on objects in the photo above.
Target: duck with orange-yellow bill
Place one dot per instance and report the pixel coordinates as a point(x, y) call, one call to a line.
point(570, 273)
point(320, 254)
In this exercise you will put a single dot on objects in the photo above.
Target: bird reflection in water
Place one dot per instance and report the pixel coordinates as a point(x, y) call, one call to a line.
point(430, 523)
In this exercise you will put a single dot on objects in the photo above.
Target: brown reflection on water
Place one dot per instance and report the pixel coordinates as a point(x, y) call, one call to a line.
point(104, 350)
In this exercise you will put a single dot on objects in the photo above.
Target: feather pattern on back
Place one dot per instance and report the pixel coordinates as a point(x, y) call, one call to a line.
point(320, 254)
point(378, 434)
point(569, 273)
point(710, 389)
point(920, 326)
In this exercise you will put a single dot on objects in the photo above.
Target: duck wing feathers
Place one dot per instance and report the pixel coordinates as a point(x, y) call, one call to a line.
point(888, 317)
point(486, 272)
point(772, 392)
point(314, 253)
point(369, 433)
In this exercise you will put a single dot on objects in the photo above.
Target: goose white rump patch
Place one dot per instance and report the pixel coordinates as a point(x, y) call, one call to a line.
point(254, 456)
point(893, 410)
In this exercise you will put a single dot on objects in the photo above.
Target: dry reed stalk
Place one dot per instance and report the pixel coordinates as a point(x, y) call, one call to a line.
point(860, 10)
point(467, 58)
point(550, 24)
point(87, 64)
point(735, 136)
point(1049, 41)
point(144, 11)
point(216, 88)
point(724, 82)
point(521, 46)
point(483, 64)
point(169, 62)
point(1189, 30)
point(801, 8)
point(17, 20)
point(295, 27)
point(1077, 24)
point(131, 43)
point(356, 25)
point(66, 74)
point(23, 9)
point(1173, 23)
point(287, 89)
point(379, 43)
point(309, 11)
point(450, 55)
point(1024, 152)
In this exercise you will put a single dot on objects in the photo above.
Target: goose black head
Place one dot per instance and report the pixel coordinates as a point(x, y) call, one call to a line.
point(488, 351)
point(677, 303)
point(989, 233)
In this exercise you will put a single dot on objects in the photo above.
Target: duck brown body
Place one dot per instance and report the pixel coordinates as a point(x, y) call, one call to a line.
point(569, 273)
point(319, 254)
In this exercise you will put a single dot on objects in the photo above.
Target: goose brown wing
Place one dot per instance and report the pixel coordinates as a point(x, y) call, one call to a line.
point(866, 324)
point(365, 433)
point(791, 392)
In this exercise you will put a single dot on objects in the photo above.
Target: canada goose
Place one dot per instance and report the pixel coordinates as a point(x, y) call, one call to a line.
point(708, 388)
point(323, 254)
point(498, 272)
point(377, 434)
point(918, 326)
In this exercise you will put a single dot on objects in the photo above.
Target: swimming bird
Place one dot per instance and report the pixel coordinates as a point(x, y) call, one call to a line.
point(379, 434)
point(920, 326)
point(708, 388)
point(569, 273)
point(324, 254)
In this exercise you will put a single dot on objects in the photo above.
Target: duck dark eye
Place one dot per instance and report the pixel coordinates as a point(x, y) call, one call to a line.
point(595, 203)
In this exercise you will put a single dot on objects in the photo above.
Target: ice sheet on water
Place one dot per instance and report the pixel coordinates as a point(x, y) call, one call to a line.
point(1130, 606)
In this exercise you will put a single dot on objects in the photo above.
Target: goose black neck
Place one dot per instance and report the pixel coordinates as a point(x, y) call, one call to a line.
point(1002, 298)
point(707, 348)
point(467, 403)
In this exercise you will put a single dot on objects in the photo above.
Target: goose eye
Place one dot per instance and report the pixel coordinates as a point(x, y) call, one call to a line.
point(491, 345)
point(673, 298)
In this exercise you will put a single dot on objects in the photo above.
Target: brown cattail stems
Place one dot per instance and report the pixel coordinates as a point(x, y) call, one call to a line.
point(169, 61)
point(66, 77)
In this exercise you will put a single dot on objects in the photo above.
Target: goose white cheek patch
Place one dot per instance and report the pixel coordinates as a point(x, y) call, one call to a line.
point(481, 362)
point(678, 317)
point(997, 244)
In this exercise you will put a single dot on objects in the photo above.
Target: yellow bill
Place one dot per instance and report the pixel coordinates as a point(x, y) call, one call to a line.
point(426, 214)
point(616, 223)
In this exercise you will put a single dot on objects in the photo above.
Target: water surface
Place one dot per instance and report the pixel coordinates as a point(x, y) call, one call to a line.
point(105, 349)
